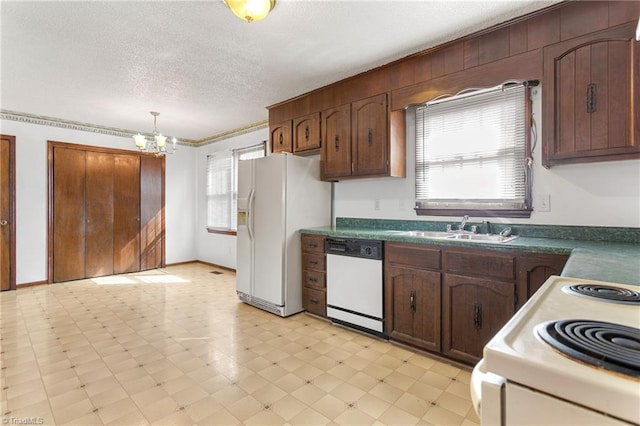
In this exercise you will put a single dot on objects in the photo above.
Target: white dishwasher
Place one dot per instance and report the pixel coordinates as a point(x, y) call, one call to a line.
point(354, 283)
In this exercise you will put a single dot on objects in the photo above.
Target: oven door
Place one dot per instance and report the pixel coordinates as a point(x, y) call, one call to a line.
point(525, 406)
point(487, 395)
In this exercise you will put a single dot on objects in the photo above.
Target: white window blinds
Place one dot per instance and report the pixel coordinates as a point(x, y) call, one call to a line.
point(470, 151)
point(220, 190)
point(222, 185)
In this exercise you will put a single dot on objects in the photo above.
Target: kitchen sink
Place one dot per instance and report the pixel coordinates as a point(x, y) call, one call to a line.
point(483, 238)
point(476, 238)
point(428, 234)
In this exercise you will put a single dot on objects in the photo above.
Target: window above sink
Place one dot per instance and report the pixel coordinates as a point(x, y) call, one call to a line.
point(473, 153)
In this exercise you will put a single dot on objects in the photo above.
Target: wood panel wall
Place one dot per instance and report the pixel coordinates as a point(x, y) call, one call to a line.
point(506, 51)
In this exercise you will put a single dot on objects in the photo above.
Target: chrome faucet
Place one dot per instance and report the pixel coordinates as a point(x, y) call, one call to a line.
point(465, 218)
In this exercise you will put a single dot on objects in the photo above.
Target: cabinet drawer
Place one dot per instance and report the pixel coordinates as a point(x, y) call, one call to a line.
point(484, 265)
point(313, 243)
point(314, 301)
point(313, 261)
point(314, 279)
point(412, 255)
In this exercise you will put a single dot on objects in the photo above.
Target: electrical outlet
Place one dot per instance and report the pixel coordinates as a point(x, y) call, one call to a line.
point(376, 204)
point(543, 203)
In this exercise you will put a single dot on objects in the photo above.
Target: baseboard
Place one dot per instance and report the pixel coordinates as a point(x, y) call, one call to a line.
point(31, 284)
point(226, 268)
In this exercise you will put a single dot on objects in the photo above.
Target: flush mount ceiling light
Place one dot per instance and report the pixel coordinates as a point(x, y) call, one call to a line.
point(157, 145)
point(250, 10)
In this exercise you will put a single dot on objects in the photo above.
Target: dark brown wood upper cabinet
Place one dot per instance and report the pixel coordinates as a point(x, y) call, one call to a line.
point(357, 140)
point(280, 134)
point(306, 133)
point(336, 150)
point(591, 98)
point(370, 136)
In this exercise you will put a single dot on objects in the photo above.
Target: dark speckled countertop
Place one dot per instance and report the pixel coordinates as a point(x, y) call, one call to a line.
point(596, 253)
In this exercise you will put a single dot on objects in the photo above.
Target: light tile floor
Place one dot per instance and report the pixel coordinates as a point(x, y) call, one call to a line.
point(176, 346)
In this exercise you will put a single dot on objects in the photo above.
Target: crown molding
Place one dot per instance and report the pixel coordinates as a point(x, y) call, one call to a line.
point(112, 131)
point(231, 133)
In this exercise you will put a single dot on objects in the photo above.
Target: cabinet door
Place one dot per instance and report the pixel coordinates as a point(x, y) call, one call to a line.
point(68, 214)
point(99, 214)
point(413, 301)
point(590, 97)
point(336, 149)
point(151, 212)
point(126, 207)
point(369, 140)
point(281, 137)
point(474, 310)
point(533, 271)
point(306, 133)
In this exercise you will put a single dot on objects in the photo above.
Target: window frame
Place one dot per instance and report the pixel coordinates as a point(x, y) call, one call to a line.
point(475, 208)
point(231, 197)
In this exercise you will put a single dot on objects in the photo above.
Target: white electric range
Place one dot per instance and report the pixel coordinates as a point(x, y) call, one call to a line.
point(571, 355)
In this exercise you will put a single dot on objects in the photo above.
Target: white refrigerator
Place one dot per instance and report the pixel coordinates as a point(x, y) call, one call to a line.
point(277, 195)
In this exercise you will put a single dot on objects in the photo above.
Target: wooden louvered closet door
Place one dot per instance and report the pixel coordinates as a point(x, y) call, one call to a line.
point(99, 210)
point(107, 214)
point(126, 208)
point(68, 214)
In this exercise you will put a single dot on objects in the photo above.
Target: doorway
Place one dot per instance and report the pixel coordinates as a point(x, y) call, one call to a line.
point(7, 213)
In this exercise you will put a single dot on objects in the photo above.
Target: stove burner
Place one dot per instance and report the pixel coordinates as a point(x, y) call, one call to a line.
point(614, 347)
point(605, 292)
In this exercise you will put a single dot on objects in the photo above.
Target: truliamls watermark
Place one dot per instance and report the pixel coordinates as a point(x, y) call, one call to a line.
point(22, 420)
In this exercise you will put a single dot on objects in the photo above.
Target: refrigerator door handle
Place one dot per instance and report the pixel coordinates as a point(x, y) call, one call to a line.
point(250, 214)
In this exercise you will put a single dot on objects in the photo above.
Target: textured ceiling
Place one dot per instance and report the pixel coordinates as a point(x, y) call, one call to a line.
point(109, 63)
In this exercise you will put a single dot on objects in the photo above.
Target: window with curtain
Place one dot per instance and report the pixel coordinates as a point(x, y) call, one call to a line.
point(472, 154)
point(222, 186)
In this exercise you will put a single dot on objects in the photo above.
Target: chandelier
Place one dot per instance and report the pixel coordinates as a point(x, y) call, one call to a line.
point(157, 145)
point(250, 10)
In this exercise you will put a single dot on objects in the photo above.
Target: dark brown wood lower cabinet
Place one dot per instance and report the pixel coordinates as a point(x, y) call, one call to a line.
point(416, 306)
point(534, 270)
point(474, 310)
point(107, 212)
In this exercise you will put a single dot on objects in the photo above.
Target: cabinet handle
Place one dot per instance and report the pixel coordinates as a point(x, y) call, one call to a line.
point(314, 301)
point(592, 98)
point(313, 280)
point(312, 245)
point(477, 315)
point(306, 133)
point(3, 222)
point(280, 138)
point(313, 262)
point(412, 301)
point(337, 143)
point(370, 137)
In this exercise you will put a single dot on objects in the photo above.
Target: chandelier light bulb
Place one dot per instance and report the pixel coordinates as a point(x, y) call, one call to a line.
point(157, 145)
